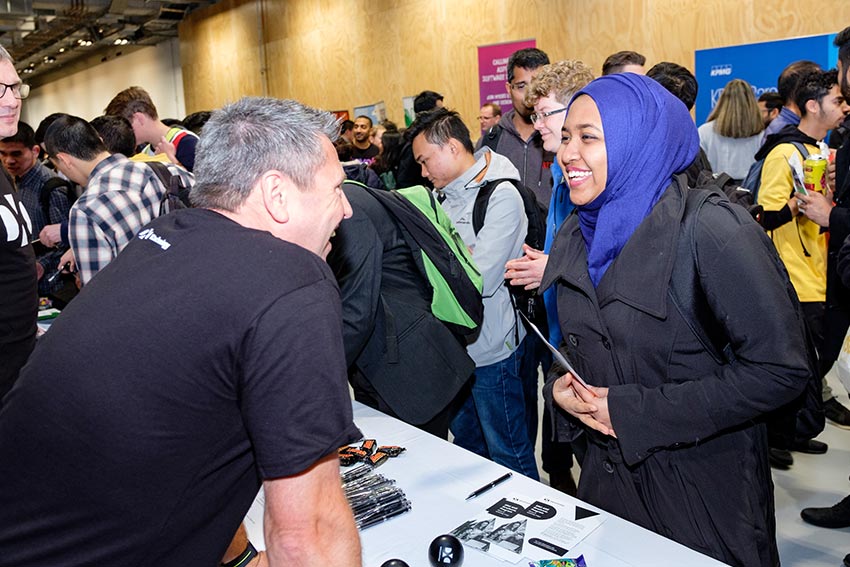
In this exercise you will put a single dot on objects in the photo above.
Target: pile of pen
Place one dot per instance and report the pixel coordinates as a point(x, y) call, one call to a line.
point(373, 497)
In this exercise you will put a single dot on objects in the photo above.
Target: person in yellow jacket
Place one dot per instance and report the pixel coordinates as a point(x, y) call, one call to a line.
point(800, 241)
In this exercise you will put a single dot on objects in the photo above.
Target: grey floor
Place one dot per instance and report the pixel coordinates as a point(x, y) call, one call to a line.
point(814, 480)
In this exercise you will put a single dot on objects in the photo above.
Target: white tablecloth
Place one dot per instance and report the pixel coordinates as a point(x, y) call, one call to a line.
point(437, 476)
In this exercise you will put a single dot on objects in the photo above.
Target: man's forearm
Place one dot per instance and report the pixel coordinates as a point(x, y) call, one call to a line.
point(308, 521)
point(332, 539)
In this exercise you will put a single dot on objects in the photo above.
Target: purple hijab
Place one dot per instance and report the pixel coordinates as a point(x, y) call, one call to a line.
point(649, 136)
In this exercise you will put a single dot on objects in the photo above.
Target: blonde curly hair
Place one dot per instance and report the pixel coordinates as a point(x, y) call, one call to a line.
point(562, 78)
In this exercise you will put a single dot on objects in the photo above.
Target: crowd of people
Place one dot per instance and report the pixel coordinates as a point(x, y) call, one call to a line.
point(204, 353)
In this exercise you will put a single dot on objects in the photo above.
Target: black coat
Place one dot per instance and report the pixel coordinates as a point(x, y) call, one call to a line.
point(837, 294)
point(690, 458)
point(411, 359)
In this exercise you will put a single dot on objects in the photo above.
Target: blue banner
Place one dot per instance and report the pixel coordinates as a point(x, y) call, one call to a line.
point(757, 63)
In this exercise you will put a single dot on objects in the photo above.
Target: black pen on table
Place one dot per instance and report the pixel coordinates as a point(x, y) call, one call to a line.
point(489, 485)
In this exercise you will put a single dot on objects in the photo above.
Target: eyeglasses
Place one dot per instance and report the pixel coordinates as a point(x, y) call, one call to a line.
point(519, 86)
point(19, 90)
point(540, 116)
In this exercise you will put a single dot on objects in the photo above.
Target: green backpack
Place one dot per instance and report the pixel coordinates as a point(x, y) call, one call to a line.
point(442, 257)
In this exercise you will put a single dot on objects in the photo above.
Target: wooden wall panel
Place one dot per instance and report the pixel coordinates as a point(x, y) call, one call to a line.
point(338, 54)
point(221, 52)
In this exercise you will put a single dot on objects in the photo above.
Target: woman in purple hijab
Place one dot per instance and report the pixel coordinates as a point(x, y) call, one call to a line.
point(675, 437)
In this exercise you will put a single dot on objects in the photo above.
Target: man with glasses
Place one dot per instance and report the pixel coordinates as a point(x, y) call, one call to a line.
point(18, 278)
point(489, 116)
point(514, 136)
point(121, 196)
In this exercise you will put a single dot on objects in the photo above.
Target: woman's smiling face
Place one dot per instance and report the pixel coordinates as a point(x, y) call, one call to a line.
point(582, 156)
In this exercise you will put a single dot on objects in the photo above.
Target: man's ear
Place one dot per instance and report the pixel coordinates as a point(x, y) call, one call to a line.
point(812, 106)
point(65, 160)
point(36, 149)
point(276, 189)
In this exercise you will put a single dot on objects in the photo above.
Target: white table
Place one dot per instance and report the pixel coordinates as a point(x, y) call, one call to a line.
point(437, 476)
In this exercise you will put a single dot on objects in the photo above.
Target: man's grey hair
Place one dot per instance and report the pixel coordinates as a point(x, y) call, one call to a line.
point(4, 55)
point(245, 139)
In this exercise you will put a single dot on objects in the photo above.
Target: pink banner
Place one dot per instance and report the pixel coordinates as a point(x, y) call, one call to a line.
point(493, 71)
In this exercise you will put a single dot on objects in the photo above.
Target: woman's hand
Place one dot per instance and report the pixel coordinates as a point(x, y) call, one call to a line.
point(528, 270)
point(588, 405)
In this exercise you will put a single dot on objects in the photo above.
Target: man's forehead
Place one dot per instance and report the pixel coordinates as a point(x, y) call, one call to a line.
point(422, 146)
point(8, 74)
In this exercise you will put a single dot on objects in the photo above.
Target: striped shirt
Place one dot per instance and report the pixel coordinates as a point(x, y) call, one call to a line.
point(121, 197)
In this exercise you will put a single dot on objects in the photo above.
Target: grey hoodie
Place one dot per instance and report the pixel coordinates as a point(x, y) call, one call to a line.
point(528, 156)
point(499, 240)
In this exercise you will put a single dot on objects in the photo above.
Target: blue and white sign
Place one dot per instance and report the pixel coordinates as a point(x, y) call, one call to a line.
point(757, 63)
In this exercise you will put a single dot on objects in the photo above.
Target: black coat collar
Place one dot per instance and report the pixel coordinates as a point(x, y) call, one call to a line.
point(640, 276)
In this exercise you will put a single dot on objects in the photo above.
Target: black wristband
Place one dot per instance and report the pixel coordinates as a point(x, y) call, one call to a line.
point(243, 558)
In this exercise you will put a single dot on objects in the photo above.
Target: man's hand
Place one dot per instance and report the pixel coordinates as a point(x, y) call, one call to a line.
point(68, 258)
point(68, 265)
point(238, 545)
point(50, 235)
point(528, 270)
point(816, 207)
point(590, 406)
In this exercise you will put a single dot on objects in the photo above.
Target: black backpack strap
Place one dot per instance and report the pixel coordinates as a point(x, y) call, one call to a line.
point(685, 288)
point(479, 209)
point(172, 183)
point(51, 185)
point(491, 138)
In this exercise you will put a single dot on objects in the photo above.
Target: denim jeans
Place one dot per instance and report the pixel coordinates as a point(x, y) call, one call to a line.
point(492, 420)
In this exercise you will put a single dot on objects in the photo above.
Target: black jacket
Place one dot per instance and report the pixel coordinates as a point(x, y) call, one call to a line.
point(837, 293)
point(690, 458)
point(413, 361)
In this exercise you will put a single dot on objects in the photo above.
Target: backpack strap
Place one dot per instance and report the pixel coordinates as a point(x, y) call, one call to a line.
point(479, 212)
point(492, 137)
point(172, 183)
point(802, 149)
point(53, 184)
point(685, 288)
point(479, 209)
